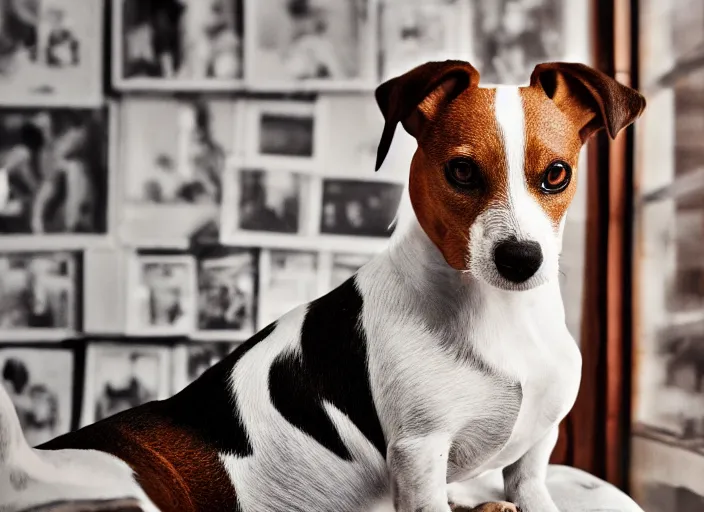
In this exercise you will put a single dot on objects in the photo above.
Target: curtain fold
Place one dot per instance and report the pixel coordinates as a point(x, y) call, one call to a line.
point(594, 436)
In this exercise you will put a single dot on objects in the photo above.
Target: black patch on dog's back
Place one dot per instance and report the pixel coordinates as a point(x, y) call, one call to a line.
point(207, 405)
point(332, 367)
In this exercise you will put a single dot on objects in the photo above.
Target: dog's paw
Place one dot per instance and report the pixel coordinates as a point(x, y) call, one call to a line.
point(498, 506)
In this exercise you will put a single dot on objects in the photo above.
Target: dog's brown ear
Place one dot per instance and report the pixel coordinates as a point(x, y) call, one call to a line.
point(593, 98)
point(417, 96)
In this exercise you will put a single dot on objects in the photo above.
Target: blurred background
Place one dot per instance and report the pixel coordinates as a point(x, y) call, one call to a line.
point(176, 174)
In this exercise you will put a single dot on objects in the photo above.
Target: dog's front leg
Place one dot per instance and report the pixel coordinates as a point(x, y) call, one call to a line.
point(525, 479)
point(418, 471)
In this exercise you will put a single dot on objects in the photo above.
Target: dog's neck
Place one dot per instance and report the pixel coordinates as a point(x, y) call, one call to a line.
point(414, 286)
point(420, 265)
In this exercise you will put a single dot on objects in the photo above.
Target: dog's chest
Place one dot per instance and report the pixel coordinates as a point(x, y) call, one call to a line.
point(537, 351)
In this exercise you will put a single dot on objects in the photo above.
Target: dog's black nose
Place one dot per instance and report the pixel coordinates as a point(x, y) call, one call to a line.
point(518, 261)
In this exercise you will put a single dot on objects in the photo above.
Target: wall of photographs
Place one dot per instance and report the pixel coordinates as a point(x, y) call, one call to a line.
point(176, 174)
point(668, 417)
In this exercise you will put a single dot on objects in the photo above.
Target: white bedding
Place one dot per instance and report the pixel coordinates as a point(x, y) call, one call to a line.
point(572, 489)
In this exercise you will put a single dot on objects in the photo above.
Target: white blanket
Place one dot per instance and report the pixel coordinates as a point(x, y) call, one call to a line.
point(572, 489)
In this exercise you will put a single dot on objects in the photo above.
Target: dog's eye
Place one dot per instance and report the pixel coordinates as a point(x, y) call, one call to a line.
point(556, 177)
point(463, 173)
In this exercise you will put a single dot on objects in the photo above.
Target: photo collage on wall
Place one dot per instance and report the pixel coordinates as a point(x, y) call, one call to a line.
point(667, 433)
point(173, 185)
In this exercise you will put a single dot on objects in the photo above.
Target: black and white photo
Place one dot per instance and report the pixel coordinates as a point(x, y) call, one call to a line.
point(350, 148)
point(55, 168)
point(266, 201)
point(227, 285)
point(345, 266)
point(162, 298)
point(668, 419)
point(512, 36)
point(666, 477)
point(51, 52)
point(192, 360)
point(359, 208)
point(37, 294)
point(122, 376)
point(311, 44)
point(671, 404)
point(287, 280)
point(284, 133)
point(178, 44)
point(40, 385)
point(670, 376)
point(173, 154)
point(418, 31)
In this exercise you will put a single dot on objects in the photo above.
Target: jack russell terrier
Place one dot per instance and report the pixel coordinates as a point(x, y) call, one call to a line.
point(445, 357)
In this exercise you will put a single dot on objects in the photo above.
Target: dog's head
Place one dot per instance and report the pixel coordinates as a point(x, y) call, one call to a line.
point(495, 169)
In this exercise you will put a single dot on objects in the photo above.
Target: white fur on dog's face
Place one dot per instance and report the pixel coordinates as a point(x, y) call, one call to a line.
point(519, 216)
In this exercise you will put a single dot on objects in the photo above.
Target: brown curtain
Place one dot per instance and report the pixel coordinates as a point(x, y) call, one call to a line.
point(594, 436)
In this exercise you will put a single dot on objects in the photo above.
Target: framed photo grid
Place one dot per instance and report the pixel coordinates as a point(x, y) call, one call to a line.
point(667, 425)
point(216, 170)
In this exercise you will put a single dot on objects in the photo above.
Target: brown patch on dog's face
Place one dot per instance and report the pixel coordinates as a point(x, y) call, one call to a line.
point(467, 130)
point(552, 136)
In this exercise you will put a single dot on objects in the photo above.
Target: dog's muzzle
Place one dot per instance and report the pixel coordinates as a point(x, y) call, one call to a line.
point(517, 261)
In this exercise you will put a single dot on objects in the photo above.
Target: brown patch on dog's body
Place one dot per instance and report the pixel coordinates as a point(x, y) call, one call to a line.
point(174, 466)
point(468, 129)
